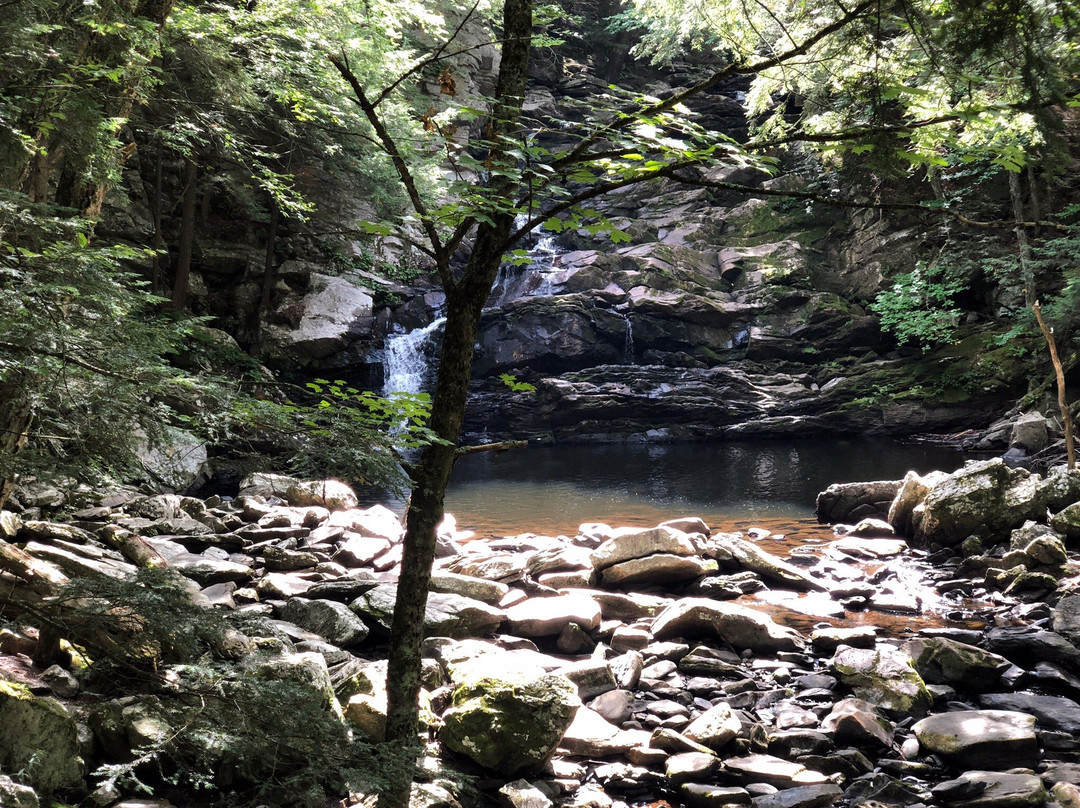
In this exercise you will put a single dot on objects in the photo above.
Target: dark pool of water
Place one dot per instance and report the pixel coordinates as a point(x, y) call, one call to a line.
point(733, 485)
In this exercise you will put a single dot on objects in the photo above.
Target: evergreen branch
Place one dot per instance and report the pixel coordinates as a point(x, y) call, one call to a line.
point(70, 358)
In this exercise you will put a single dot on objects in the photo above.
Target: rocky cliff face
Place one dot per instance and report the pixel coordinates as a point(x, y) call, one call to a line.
point(726, 314)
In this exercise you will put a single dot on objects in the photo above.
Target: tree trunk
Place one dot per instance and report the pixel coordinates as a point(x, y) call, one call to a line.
point(1059, 373)
point(182, 275)
point(16, 415)
point(465, 300)
point(1027, 273)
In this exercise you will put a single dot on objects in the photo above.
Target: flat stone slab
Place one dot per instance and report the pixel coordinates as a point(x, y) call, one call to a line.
point(546, 617)
point(592, 735)
point(800, 797)
point(772, 770)
point(738, 625)
point(985, 738)
point(1002, 790)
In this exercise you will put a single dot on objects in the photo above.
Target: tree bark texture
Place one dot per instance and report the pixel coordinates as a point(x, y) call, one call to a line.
point(465, 299)
point(16, 416)
point(185, 247)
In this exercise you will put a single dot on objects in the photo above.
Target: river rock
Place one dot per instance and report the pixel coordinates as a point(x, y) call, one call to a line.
point(508, 717)
point(1067, 521)
point(985, 738)
point(884, 676)
point(940, 660)
point(38, 739)
point(1051, 712)
point(986, 498)
point(715, 728)
point(988, 789)
point(752, 557)
point(1026, 644)
point(465, 585)
point(327, 618)
point(738, 625)
point(850, 502)
point(331, 494)
point(656, 569)
point(446, 615)
point(592, 735)
point(701, 795)
point(856, 722)
point(772, 770)
point(546, 617)
point(813, 796)
point(630, 543)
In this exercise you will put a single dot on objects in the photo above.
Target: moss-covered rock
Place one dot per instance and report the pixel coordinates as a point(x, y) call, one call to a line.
point(885, 677)
point(39, 739)
point(508, 719)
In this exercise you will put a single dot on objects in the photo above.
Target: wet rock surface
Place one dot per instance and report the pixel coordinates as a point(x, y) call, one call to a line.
point(556, 684)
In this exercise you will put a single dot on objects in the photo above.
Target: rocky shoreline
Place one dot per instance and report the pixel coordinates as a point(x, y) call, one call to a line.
point(620, 666)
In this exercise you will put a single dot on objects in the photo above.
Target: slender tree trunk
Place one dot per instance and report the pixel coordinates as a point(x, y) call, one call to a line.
point(159, 237)
point(1027, 273)
point(464, 300)
point(16, 415)
point(182, 275)
point(269, 275)
point(1059, 372)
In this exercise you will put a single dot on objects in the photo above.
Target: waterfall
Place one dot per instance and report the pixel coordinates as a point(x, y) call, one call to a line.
point(408, 359)
point(628, 343)
point(532, 280)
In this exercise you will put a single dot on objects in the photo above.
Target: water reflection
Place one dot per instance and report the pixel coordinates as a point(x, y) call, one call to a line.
point(552, 489)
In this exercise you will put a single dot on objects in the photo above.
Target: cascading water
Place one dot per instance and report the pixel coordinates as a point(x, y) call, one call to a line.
point(628, 344)
point(536, 279)
point(408, 359)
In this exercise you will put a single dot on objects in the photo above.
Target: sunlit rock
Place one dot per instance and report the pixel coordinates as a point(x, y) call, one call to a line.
point(446, 615)
point(630, 543)
point(984, 738)
point(656, 569)
point(858, 723)
point(508, 717)
point(884, 676)
point(737, 625)
point(940, 660)
point(545, 617)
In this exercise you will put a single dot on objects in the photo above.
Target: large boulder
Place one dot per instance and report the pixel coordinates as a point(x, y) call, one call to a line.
point(327, 618)
point(39, 739)
point(507, 716)
point(331, 316)
point(446, 615)
point(984, 738)
point(734, 624)
point(987, 499)
point(332, 494)
point(883, 676)
point(547, 617)
point(850, 502)
point(942, 661)
point(913, 490)
point(626, 544)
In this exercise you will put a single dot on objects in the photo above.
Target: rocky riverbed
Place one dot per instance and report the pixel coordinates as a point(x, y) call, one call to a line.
point(619, 666)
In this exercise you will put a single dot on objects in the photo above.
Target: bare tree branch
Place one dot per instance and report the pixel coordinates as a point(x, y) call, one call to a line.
point(441, 256)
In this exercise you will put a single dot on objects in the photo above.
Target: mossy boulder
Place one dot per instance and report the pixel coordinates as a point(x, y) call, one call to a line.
point(38, 737)
point(507, 717)
point(940, 660)
point(885, 677)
